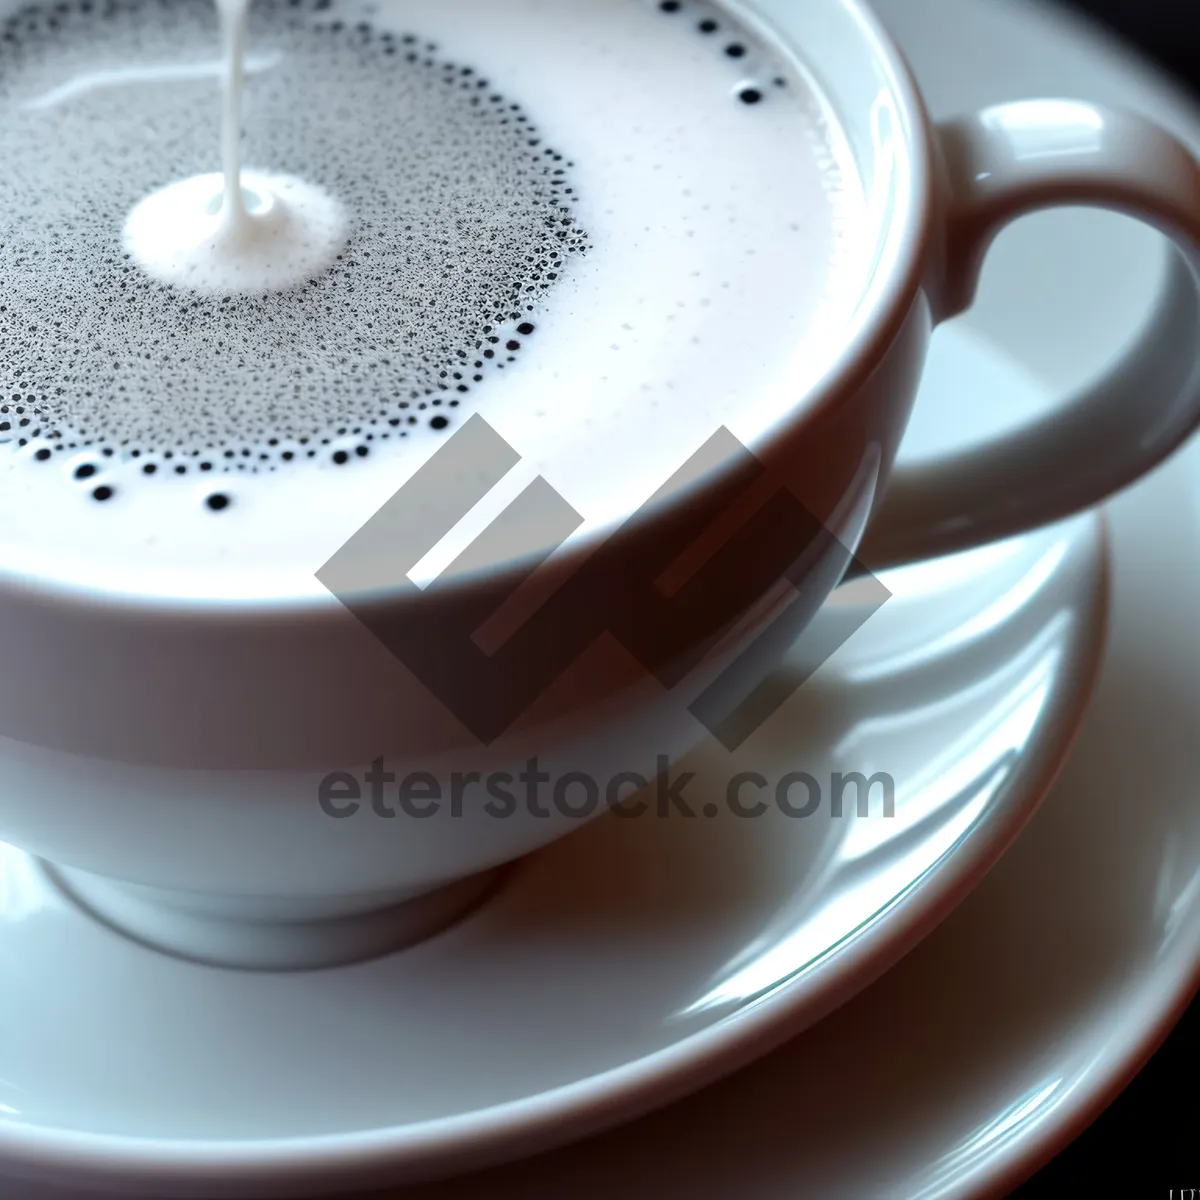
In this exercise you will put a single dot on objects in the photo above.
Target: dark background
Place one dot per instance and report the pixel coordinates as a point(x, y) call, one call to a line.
point(1149, 1140)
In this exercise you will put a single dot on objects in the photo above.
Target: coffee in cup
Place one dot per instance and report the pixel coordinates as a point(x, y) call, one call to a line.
point(647, 229)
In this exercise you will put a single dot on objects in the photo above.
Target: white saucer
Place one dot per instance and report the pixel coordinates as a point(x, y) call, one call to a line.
point(629, 965)
point(999, 1038)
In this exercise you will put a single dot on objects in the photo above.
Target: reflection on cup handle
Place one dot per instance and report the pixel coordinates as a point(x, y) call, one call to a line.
point(999, 165)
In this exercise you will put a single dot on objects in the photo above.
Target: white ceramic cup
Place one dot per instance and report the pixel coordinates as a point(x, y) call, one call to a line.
point(188, 815)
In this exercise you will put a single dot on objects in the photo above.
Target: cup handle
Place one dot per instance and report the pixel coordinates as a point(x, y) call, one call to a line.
point(994, 167)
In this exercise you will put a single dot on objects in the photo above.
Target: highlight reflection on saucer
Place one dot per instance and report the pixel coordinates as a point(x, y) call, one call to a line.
point(981, 723)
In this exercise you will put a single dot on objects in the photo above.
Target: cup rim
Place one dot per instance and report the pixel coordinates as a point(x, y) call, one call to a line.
point(893, 282)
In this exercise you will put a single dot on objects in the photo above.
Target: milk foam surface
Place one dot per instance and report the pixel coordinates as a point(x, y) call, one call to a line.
point(710, 253)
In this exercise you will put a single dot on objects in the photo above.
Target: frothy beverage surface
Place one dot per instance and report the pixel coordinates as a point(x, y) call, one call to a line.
point(609, 228)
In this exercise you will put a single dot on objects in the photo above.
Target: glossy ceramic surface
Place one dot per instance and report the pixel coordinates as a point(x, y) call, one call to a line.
point(1005, 1033)
point(633, 962)
point(203, 798)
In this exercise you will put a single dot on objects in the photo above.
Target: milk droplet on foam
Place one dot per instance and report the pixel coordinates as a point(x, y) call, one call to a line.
point(239, 231)
point(290, 232)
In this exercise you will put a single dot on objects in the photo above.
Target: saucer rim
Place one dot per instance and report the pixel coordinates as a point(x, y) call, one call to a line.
point(418, 1152)
point(998, 1177)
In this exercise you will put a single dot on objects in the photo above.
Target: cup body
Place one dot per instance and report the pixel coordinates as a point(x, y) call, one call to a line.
point(225, 750)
